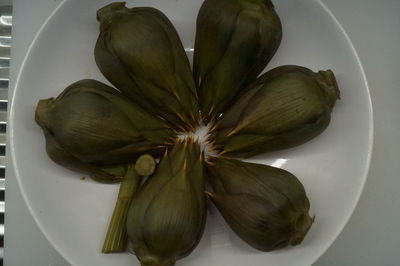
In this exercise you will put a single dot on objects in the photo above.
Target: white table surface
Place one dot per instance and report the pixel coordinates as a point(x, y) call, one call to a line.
point(372, 236)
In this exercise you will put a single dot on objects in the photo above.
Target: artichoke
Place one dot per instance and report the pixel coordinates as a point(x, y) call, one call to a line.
point(91, 125)
point(167, 215)
point(139, 51)
point(285, 107)
point(235, 39)
point(265, 206)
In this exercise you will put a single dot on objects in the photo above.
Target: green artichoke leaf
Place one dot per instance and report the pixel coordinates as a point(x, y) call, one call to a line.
point(167, 216)
point(140, 52)
point(265, 206)
point(254, 220)
point(62, 157)
point(283, 108)
point(234, 42)
point(98, 125)
point(171, 223)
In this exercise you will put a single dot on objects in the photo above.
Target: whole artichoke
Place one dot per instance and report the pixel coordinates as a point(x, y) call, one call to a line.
point(265, 206)
point(167, 215)
point(91, 124)
point(139, 51)
point(235, 39)
point(285, 107)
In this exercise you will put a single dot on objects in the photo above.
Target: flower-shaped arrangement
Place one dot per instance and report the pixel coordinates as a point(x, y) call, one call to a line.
point(114, 134)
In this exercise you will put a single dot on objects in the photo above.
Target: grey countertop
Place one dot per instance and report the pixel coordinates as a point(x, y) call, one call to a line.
point(372, 236)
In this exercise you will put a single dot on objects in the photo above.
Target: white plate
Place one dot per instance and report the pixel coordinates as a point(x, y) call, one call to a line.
point(73, 213)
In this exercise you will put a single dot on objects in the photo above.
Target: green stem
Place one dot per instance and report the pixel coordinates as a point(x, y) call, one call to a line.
point(115, 240)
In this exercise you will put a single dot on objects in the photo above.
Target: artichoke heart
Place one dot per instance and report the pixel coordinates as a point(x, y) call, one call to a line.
point(91, 124)
point(283, 108)
point(235, 40)
point(265, 206)
point(139, 51)
point(167, 215)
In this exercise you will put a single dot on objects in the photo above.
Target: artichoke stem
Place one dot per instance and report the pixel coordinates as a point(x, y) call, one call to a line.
point(116, 237)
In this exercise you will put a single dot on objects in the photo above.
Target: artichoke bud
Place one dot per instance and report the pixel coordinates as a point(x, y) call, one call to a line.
point(139, 51)
point(145, 165)
point(265, 206)
point(167, 215)
point(235, 39)
point(283, 108)
point(91, 124)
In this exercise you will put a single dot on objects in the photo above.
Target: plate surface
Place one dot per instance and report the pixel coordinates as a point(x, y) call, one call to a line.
point(73, 213)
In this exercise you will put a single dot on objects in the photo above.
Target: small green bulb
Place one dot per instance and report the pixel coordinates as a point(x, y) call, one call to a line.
point(145, 165)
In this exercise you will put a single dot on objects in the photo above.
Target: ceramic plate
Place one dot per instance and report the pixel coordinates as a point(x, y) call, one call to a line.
point(73, 213)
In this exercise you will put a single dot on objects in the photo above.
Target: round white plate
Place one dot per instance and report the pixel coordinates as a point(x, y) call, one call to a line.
point(73, 213)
